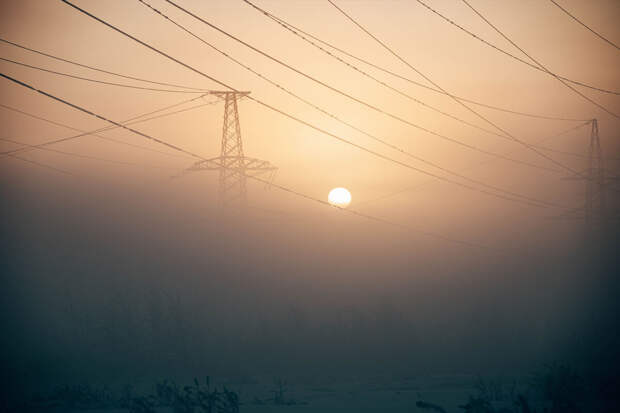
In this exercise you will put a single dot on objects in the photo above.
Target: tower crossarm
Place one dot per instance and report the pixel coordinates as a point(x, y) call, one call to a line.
point(223, 93)
point(246, 165)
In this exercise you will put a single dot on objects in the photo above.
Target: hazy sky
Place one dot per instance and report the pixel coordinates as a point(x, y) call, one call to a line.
point(309, 161)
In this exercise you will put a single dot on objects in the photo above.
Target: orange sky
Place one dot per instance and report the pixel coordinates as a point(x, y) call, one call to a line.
point(308, 161)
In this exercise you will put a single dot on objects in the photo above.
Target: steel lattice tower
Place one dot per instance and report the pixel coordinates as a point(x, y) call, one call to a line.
point(595, 181)
point(232, 177)
point(233, 166)
point(594, 209)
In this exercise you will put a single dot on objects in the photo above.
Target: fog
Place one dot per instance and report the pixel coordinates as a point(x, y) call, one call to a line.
point(109, 284)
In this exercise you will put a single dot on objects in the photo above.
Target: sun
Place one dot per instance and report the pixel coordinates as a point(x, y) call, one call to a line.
point(339, 197)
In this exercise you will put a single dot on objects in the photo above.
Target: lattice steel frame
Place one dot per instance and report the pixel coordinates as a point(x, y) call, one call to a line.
point(233, 166)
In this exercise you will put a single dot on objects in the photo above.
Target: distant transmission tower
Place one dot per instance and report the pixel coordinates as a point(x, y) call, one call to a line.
point(594, 209)
point(595, 183)
point(233, 166)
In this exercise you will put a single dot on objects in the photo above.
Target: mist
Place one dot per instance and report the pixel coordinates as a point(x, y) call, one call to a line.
point(111, 285)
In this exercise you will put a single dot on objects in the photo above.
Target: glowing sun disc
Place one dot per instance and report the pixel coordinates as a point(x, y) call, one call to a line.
point(340, 197)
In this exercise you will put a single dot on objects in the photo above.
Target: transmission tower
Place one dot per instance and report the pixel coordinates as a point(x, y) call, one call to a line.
point(233, 166)
point(594, 209)
point(595, 182)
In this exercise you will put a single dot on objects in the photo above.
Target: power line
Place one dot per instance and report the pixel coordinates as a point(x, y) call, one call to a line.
point(366, 103)
point(42, 165)
point(376, 153)
point(109, 128)
point(95, 80)
point(294, 30)
point(361, 102)
point(525, 144)
point(600, 36)
point(538, 63)
point(120, 125)
point(453, 23)
point(131, 121)
point(281, 187)
point(495, 188)
point(301, 35)
point(574, 154)
point(62, 125)
point(392, 194)
point(373, 78)
point(79, 130)
point(79, 155)
point(398, 76)
point(99, 69)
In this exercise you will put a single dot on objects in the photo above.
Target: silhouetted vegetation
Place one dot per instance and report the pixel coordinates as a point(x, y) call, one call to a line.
point(557, 388)
point(195, 398)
